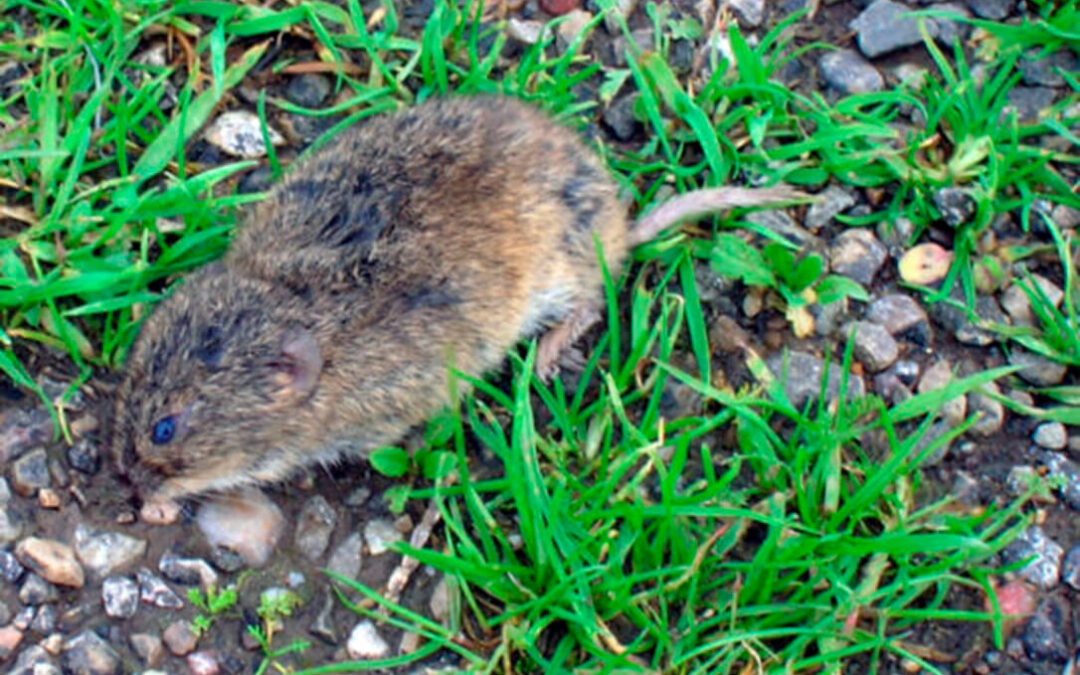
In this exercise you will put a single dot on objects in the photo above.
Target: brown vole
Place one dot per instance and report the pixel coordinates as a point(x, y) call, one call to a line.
point(442, 234)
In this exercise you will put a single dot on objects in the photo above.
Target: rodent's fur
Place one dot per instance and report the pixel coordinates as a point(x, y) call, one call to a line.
point(438, 235)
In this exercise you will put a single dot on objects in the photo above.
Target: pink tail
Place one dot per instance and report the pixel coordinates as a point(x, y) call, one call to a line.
point(705, 202)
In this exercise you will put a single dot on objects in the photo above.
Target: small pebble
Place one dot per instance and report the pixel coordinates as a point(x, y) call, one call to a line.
point(36, 590)
point(439, 604)
point(846, 71)
point(88, 654)
point(308, 90)
point(149, 648)
point(874, 347)
point(347, 558)
point(44, 620)
point(179, 638)
point(1044, 634)
point(323, 627)
point(857, 254)
point(10, 525)
point(897, 313)
point(120, 596)
point(1044, 570)
point(991, 412)
point(381, 535)
point(48, 498)
point(103, 553)
point(525, 31)
point(955, 204)
point(84, 457)
point(832, 202)
point(239, 133)
point(226, 559)
point(154, 591)
point(53, 560)
point(938, 376)
point(559, 7)
point(1051, 435)
point(314, 526)
point(203, 663)
point(366, 643)
point(187, 571)
point(10, 637)
point(10, 568)
point(30, 473)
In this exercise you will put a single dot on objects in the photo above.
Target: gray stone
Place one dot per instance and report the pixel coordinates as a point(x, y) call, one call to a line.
point(966, 489)
point(203, 663)
point(874, 347)
point(992, 9)
point(623, 9)
point(179, 638)
point(885, 26)
point(779, 222)
point(832, 202)
point(106, 552)
point(35, 591)
point(849, 73)
point(1060, 468)
point(84, 457)
point(1051, 435)
point(120, 596)
point(308, 90)
point(381, 535)
point(934, 433)
point(226, 559)
point(1017, 304)
point(1030, 102)
point(23, 619)
point(347, 558)
point(857, 254)
point(1037, 369)
point(5, 613)
point(148, 647)
point(954, 317)
point(23, 429)
point(525, 31)
point(187, 571)
point(1065, 216)
point(1046, 71)
point(619, 117)
point(802, 373)
point(30, 473)
point(323, 627)
point(44, 621)
point(1044, 633)
point(257, 180)
point(955, 204)
point(750, 12)
point(154, 591)
point(10, 525)
point(314, 527)
point(1070, 568)
point(88, 654)
point(991, 412)
point(34, 660)
point(938, 376)
point(1044, 570)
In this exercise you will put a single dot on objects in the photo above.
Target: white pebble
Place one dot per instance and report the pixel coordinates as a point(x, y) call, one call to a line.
point(380, 535)
point(366, 643)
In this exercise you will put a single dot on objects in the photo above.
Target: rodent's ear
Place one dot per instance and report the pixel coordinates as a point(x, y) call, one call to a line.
point(298, 368)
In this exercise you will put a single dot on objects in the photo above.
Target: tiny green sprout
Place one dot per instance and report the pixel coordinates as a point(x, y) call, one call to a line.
point(212, 603)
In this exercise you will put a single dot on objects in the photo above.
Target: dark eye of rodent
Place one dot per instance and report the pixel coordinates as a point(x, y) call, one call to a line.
point(163, 430)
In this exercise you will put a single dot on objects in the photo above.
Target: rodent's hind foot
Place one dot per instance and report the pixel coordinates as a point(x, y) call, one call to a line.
point(556, 349)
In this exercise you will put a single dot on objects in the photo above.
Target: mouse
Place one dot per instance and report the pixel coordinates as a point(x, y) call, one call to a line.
point(421, 241)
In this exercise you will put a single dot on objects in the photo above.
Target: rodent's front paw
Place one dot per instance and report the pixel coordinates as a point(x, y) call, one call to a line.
point(160, 512)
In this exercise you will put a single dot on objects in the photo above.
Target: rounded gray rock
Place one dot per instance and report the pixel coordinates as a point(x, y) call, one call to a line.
point(857, 254)
point(874, 347)
point(88, 654)
point(849, 73)
point(120, 596)
point(314, 527)
point(1051, 435)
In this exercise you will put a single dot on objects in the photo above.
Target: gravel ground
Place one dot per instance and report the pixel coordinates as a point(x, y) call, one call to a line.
point(86, 589)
